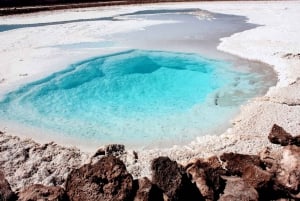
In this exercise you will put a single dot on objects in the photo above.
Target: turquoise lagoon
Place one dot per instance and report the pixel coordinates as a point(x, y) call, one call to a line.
point(141, 97)
point(136, 97)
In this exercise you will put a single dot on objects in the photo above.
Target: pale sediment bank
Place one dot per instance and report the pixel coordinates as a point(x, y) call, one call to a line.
point(275, 43)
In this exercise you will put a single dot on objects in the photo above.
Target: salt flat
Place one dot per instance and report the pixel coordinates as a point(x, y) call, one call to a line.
point(276, 42)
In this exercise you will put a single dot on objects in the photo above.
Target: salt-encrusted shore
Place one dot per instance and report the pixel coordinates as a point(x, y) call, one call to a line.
point(276, 43)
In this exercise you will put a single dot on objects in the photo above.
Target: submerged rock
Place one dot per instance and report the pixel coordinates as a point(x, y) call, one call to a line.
point(105, 180)
point(40, 192)
point(6, 194)
point(173, 180)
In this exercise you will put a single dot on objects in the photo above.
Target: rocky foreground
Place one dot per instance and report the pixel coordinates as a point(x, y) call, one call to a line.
point(270, 175)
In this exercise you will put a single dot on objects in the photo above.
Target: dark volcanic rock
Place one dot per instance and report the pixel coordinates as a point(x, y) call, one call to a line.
point(279, 136)
point(238, 190)
point(173, 180)
point(40, 192)
point(147, 191)
point(6, 194)
point(106, 180)
point(206, 174)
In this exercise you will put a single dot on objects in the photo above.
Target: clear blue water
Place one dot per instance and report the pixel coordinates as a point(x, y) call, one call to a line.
point(133, 97)
point(140, 97)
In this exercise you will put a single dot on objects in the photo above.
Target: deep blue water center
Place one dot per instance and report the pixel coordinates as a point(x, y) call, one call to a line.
point(134, 96)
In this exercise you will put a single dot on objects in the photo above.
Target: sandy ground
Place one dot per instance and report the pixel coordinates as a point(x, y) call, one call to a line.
point(276, 42)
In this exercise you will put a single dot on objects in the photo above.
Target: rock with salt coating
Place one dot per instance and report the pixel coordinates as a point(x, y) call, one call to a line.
point(6, 194)
point(40, 192)
point(173, 180)
point(105, 180)
point(27, 162)
point(238, 190)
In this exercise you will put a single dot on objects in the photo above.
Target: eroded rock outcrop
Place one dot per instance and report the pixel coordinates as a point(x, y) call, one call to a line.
point(105, 180)
point(38, 192)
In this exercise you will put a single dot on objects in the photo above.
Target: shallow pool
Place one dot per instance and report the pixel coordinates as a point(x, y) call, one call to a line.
point(167, 86)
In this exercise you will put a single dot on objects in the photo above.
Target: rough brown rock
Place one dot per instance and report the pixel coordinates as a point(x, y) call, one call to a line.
point(288, 172)
point(256, 177)
point(147, 191)
point(238, 190)
point(40, 192)
point(249, 168)
point(105, 180)
point(279, 136)
point(6, 194)
point(205, 173)
point(173, 180)
point(236, 164)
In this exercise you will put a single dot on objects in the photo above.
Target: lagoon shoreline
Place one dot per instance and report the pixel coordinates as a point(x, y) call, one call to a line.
point(275, 43)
